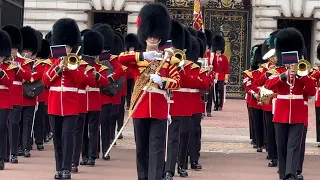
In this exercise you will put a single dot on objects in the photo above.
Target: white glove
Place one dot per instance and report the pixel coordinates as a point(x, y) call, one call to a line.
point(215, 81)
point(156, 79)
point(151, 55)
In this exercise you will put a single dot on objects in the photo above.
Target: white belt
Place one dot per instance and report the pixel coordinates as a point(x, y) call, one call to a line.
point(193, 90)
point(3, 87)
point(17, 83)
point(93, 89)
point(182, 90)
point(290, 96)
point(63, 89)
point(155, 90)
point(81, 91)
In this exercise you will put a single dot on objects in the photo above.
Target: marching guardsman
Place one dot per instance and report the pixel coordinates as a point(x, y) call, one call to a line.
point(63, 80)
point(222, 70)
point(22, 74)
point(150, 102)
point(41, 118)
point(268, 53)
point(131, 44)
point(106, 100)
point(116, 50)
point(96, 76)
point(209, 55)
point(289, 115)
point(254, 104)
point(178, 108)
point(7, 71)
point(317, 100)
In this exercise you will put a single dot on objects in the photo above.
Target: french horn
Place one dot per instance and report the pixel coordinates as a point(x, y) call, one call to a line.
point(265, 95)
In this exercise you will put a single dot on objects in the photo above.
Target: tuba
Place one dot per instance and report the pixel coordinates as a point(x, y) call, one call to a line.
point(303, 68)
point(71, 61)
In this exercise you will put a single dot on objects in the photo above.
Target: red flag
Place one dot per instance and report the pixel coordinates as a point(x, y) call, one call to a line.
point(197, 15)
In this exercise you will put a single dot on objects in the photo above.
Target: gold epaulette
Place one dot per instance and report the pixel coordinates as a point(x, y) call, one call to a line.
point(124, 67)
point(11, 66)
point(265, 65)
point(26, 62)
point(186, 63)
point(194, 66)
point(47, 61)
point(248, 73)
point(82, 62)
point(123, 53)
point(113, 57)
point(273, 72)
point(88, 68)
point(102, 68)
point(260, 69)
point(202, 70)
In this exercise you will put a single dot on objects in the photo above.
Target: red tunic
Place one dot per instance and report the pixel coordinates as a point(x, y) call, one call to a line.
point(5, 83)
point(118, 72)
point(125, 77)
point(63, 97)
point(251, 89)
point(154, 103)
point(16, 90)
point(316, 76)
point(289, 106)
point(195, 93)
point(204, 84)
point(246, 78)
point(221, 67)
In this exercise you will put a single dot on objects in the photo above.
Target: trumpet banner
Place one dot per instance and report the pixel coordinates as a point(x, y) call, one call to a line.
point(232, 20)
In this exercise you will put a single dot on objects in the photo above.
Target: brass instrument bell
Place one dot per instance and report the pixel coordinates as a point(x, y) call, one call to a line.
point(71, 61)
point(265, 95)
point(303, 68)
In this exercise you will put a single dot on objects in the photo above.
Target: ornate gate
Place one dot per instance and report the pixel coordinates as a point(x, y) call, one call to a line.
point(230, 19)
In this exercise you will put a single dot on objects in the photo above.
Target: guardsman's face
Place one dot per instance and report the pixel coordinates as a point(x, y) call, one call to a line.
point(153, 43)
point(26, 53)
point(68, 49)
point(14, 51)
point(218, 52)
point(1, 59)
point(273, 60)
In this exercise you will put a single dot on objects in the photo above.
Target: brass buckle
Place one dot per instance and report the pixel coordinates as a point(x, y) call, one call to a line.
point(291, 96)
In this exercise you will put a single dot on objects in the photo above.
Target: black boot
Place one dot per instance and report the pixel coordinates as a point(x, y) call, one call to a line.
point(74, 168)
point(1, 164)
point(106, 157)
point(299, 175)
point(121, 136)
point(273, 163)
point(84, 161)
point(182, 171)
point(40, 147)
point(14, 159)
point(20, 152)
point(259, 149)
point(91, 161)
point(168, 176)
point(66, 174)
point(26, 153)
point(196, 166)
point(58, 175)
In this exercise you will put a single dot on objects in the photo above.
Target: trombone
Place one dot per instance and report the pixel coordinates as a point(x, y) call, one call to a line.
point(71, 61)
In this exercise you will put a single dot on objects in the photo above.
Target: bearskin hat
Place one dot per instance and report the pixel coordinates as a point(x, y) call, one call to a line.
point(256, 57)
point(154, 21)
point(118, 45)
point(108, 35)
point(192, 31)
point(269, 42)
point(66, 32)
point(96, 25)
point(195, 50)
point(131, 41)
point(30, 39)
point(177, 35)
point(5, 44)
point(218, 43)
point(120, 35)
point(289, 39)
point(318, 51)
point(40, 37)
point(140, 47)
point(92, 43)
point(187, 41)
point(202, 47)
point(15, 36)
point(48, 37)
point(45, 49)
point(209, 36)
point(83, 32)
point(203, 37)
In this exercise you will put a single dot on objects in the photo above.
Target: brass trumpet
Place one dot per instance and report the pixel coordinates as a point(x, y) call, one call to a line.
point(303, 68)
point(71, 61)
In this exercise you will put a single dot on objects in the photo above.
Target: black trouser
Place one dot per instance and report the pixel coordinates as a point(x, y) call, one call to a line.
point(8, 142)
point(26, 122)
point(219, 88)
point(318, 123)
point(184, 140)
point(271, 135)
point(120, 118)
point(130, 85)
point(4, 118)
point(14, 128)
point(195, 137)
point(91, 146)
point(39, 124)
point(303, 149)
point(47, 127)
point(150, 139)
point(257, 115)
point(105, 117)
point(210, 100)
point(173, 144)
point(251, 125)
point(63, 129)
point(78, 138)
point(288, 144)
point(113, 119)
